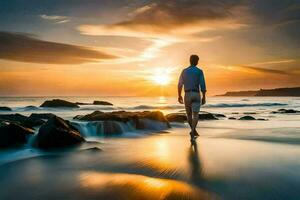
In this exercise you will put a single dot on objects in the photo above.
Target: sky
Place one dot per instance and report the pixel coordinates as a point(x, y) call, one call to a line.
point(139, 47)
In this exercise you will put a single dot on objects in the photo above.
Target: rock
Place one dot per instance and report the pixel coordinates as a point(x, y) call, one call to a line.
point(232, 118)
point(219, 115)
point(80, 103)
point(12, 134)
point(262, 119)
point(247, 117)
point(180, 117)
point(176, 117)
point(92, 149)
point(57, 132)
point(286, 111)
point(59, 103)
point(4, 108)
point(31, 108)
point(21, 120)
point(207, 116)
point(137, 118)
point(41, 116)
point(250, 113)
point(104, 103)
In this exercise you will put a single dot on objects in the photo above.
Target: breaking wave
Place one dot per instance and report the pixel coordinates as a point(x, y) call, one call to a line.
point(231, 105)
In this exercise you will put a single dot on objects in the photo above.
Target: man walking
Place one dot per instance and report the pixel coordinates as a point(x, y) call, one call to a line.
point(192, 78)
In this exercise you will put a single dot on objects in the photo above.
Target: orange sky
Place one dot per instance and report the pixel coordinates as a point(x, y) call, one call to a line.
point(142, 47)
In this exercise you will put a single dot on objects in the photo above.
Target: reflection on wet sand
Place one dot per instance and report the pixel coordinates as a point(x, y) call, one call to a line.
point(130, 186)
point(195, 165)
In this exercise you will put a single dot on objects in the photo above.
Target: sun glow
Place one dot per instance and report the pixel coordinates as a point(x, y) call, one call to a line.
point(161, 76)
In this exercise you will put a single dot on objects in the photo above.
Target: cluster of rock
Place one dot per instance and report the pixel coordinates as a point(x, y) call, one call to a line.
point(4, 108)
point(286, 111)
point(181, 117)
point(56, 103)
point(138, 119)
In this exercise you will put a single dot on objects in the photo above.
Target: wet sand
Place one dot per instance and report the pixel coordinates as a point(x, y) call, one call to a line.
point(224, 163)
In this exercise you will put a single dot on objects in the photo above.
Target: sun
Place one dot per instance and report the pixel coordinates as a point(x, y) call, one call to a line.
point(161, 76)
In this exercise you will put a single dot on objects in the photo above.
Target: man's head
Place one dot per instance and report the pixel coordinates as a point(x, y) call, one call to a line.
point(194, 60)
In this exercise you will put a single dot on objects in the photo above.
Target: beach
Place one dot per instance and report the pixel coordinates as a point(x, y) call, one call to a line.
point(232, 158)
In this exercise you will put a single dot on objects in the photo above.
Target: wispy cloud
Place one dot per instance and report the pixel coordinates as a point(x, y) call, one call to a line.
point(58, 19)
point(274, 62)
point(169, 22)
point(25, 48)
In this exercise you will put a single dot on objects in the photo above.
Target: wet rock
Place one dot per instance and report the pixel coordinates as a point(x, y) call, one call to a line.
point(247, 117)
point(286, 111)
point(104, 103)
point(21, 120)
point(39, 116)
point(219, 115)
point(180, 117)
point(207, 116)
point(4, 108)
point(250, 113)
point(57, 132)
point(139, 119)
point(176, 117)
point(235, 113)
point(232, 118)
point(80, 103)
point(262, 119)
point(31, 108)
point(92, 149)
point(12, 134)
point(59, 103)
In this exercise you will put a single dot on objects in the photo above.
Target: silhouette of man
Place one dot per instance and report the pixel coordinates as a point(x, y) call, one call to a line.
point(192, 78)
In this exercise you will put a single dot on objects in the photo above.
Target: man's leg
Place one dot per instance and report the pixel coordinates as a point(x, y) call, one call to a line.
point(189, 114)
point(195, 121)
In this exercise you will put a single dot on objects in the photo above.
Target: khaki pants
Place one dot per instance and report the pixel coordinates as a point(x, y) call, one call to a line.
point(192, 102)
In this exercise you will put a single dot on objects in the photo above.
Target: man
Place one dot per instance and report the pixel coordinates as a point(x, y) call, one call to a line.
point(192, 78)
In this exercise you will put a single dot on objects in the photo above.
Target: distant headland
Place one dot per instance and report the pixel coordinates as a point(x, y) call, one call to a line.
point(295, 91)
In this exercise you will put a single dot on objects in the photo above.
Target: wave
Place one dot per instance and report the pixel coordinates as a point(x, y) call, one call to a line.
point(147, 107)
point(231, 105)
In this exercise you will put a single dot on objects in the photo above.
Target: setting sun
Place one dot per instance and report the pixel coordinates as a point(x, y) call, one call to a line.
point(161, 76)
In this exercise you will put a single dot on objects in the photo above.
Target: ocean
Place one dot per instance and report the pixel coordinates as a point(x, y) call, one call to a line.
point(234, 159)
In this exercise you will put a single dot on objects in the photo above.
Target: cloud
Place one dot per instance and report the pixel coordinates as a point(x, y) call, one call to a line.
point(171, 21)
point(25, 48)
point(57, 18)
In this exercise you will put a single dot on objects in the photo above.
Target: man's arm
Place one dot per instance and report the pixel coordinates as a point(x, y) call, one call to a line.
point(203, 87)
point(180, 85)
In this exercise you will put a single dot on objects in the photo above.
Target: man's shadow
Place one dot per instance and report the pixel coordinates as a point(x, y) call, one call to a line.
point(195, 165)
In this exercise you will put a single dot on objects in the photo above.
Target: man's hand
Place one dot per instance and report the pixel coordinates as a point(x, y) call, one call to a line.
point(180, 100)
point(203, 101)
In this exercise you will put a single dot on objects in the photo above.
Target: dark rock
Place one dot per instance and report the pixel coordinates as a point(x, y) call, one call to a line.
point(12, 134)
point(176, 117)
point(57, 132)
point(59, 103)
point(286, 111)
point(235, 113)
point(21, 119)
point(232, 118)
point(250, 113)
point(207, 116)
point(31, 108)
point(219, 115)
point(247, 117)
point(180, 117)
point(138, 118)
point(262, 119)
point(92, 149)
point(104, 103)
point(80, 103)
point(41, 116)
point(4, 108)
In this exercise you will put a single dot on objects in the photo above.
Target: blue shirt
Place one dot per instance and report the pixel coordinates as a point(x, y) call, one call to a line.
point(192, 77)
